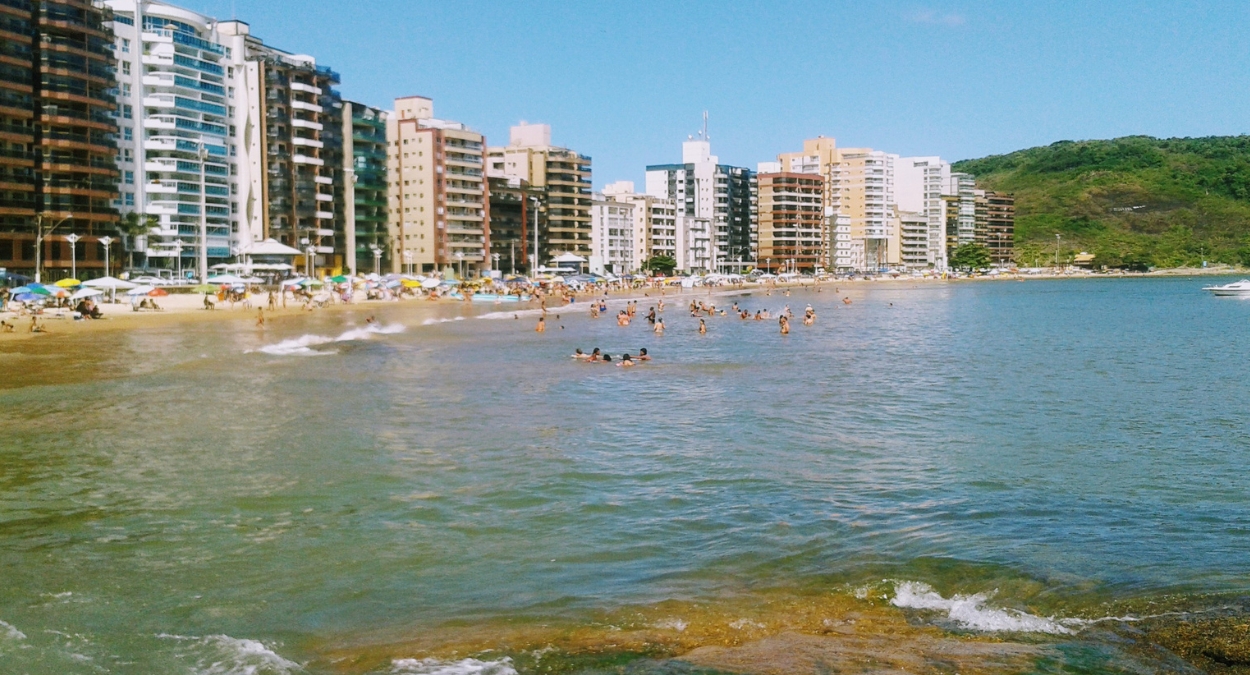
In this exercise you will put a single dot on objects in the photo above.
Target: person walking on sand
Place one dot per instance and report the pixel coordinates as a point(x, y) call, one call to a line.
point(542, 325)
point(273, 301)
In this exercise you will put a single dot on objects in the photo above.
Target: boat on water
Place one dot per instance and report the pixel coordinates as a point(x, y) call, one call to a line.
point(1237, 288)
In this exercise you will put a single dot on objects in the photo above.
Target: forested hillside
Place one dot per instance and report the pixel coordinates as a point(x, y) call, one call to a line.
point(1132, 201)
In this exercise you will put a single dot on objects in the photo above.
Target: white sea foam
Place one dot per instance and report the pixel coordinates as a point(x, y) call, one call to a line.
point(224, 655)
point(431, 322)
point(463, 667)
point(304, 344)
point(672, 624)
point(10, 632)
point(970, 611)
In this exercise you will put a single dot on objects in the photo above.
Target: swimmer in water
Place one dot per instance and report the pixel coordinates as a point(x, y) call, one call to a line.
point(702, 327)
point(542, 325)
point(581, 356)
point(642, 355)
point(785, 325)
point(626, 362)
point(595, 355)
point(846, 301)
point(607, 358)
point(659, 326)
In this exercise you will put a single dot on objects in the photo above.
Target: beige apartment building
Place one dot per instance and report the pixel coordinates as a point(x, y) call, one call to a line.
point(438, 194)
point(859, 195)
point(565, 177)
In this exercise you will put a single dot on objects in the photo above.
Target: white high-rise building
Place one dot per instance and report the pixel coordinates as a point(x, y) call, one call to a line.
point(921, 182)
point(178, 89)
point(612, 237)
point(724, 195)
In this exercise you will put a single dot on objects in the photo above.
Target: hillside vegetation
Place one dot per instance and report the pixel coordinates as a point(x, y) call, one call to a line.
point(1132, 201)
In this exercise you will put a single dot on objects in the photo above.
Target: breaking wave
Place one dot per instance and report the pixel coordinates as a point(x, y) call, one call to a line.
point(431, 322)
point(10, 632)
point(224, 655)
point(970, 611)
point(304, 344)
point(463, 667)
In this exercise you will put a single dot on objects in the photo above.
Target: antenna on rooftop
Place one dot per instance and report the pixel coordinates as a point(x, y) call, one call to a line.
point(705, 125)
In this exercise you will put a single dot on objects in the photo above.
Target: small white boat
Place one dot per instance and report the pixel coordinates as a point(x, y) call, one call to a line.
point(1237, 288)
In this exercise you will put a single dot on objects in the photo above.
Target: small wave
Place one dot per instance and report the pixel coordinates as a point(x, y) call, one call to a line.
point(305, 343)
point(224, 655)
point(970, 611)
point(464, 667)
point(431, 322)
point(512, 314)
point(10, 632)
point(672, 624)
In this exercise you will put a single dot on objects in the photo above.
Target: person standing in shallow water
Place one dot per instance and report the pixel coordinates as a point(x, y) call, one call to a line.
point(702, 327)
point(542, 325)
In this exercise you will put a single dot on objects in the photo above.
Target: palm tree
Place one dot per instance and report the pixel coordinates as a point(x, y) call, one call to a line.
point(133, 225)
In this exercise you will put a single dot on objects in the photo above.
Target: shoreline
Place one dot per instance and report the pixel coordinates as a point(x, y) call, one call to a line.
point(187, 308)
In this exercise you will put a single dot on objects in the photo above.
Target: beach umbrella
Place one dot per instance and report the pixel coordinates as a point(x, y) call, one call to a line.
point(20, 290)
point(224, 279)
point(40, 290)
point(26, 297)
point(310, 282)
point(430, 283)
point(204, 288)
point(109, 283)
point(140, 290)
point(340, 279)
point(411, 283)
point(292, 282)
point(86, 293)
point(157, 293)
point(56, 292)
point(68, 283)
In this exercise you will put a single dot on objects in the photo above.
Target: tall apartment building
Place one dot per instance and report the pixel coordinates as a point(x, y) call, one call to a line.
point(860, 187)
point(179, 157)
point(613, 237)
point(57, 135)
point(290, 129)
point(365, 188)
point(723, 195)
point(920, 184)
point(439, 201)
point(996, 225)
point(514, 207)
point(563, 175)
point(916, 252)
point(649, 213)
point(961, 211)
point(791, 221)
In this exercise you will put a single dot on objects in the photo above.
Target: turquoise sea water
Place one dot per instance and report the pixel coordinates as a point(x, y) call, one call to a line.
point(194, 504)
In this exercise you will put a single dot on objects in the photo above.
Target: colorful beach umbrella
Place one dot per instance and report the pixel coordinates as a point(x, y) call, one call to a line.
point(40, 290)
point(68, 283)
point(340, 279)
point(157, 293)
point(204, 288)
point(26, 297)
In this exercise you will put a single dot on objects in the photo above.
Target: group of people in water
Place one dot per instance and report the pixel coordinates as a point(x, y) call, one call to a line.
point(626, 361)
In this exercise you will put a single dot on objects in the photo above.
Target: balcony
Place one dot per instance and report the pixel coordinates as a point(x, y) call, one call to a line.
point(300, 86)
point(310, 107)
point(323, 180)
point(307, 142)
point(313, 161)
point(305, 124)
point(324, 215)
point(161, 187)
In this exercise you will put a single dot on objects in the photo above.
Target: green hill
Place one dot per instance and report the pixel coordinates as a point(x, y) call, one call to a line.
point(1132, 201)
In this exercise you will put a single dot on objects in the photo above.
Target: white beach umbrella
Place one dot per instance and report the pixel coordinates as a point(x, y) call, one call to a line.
point(141, 290)
point(86, 293)
point(109, 283)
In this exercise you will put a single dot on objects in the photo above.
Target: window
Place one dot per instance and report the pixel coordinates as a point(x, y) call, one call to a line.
point(128, 112)
point(130, 199)
point(128, 134)
point(130, 178)
point(125, 45)
point(125, 67)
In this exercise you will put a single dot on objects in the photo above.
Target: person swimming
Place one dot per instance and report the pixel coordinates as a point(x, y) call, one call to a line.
point(542, 325)
point(607, 358)
point(659, 326)
point(702, 327)
point(595, 355)
point(626, 362)
point(642, 355)
point(581, 356)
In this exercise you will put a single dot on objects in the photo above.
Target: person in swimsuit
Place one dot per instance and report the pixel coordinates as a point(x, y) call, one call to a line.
point(642, 355)
point(542, 325)
point(659, 326)
point(702, 327)
point(626, 362)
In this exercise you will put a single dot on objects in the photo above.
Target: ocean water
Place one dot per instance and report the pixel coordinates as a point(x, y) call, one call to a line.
point(1050, 462)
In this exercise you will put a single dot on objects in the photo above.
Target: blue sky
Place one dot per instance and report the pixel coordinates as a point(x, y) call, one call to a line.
point(626, 82)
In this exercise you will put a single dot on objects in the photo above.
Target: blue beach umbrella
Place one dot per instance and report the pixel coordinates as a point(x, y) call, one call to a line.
point(25, 297)
point(20, 290)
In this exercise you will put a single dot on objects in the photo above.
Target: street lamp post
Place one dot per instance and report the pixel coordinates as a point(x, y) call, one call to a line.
point(40, 234)
point(460, 263)
point(203, 266)
point(534, 267)
point(73, 254)
point(178, 256)
point(308, 260)
point(495, 257)
point(512, 255)
point(769, 264)
point(1058, 238)
point(377, 257)
point(408, 261)
point(105, 241)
